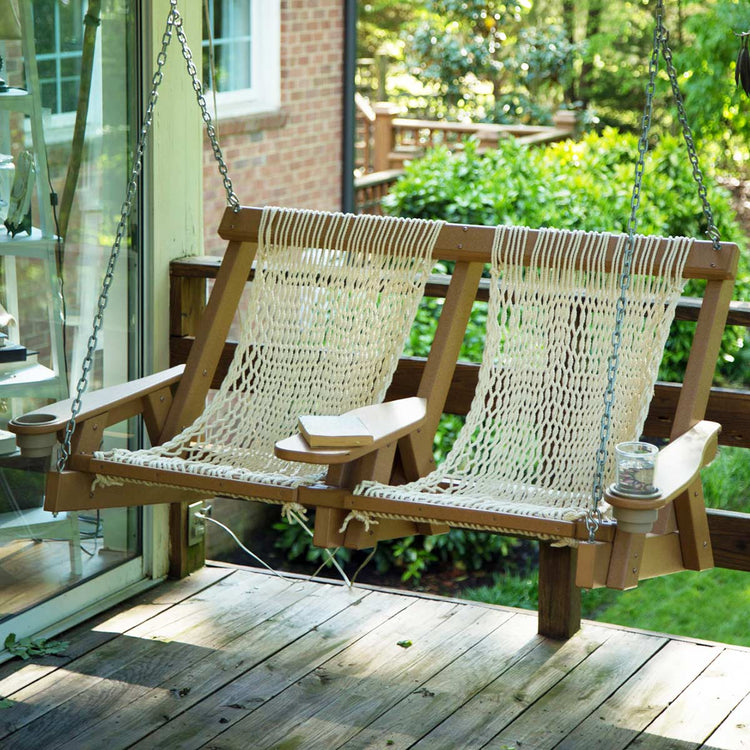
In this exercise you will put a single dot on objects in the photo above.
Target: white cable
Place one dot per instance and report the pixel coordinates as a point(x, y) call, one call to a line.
point(242, 546)
point(293, 516)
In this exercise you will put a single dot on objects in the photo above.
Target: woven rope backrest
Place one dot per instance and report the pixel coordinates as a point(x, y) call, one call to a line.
point(532, 432)
point(327, 316)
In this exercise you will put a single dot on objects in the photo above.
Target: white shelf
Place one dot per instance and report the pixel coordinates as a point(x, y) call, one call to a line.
point(36, 523)
point(17, 100)
point(37, 376)
point(23, 245)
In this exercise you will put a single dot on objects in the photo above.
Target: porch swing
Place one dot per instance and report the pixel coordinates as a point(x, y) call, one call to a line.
point(568, 310)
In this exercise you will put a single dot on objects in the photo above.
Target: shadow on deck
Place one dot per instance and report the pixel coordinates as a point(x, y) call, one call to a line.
point(243, 659)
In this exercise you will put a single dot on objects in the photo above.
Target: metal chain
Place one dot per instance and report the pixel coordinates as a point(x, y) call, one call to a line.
point(661, 43)
point(594, 517)
point(687, 134)
point(174, 23)
point(232, 199)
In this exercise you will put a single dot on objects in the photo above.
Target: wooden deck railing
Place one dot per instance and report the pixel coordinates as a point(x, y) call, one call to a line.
point(730, 532)
point(384, 142)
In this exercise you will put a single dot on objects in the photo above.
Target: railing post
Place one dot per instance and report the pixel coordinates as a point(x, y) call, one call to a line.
point(559, 599)
point(565, 119)
point(385, 113)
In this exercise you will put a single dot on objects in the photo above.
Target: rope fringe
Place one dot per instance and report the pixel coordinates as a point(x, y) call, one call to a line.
point(362, 517)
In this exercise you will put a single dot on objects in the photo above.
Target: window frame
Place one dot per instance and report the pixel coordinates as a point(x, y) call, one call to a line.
point(264, 94)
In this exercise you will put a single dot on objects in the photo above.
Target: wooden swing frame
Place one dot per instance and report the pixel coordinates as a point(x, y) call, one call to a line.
point(402, 449)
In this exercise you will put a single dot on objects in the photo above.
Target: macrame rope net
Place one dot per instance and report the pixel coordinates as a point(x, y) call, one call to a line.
point(327, 317)
point(530, 439)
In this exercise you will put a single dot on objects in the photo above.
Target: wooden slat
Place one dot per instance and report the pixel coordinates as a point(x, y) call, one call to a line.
point(730, 539)
point(52, 707)
point(624, 715)
point(701, 365)
point(104, 627)
point(733, 731)
point(579, 693)
point(298, 615)
point(513, 692)
point(408, 721)
point(319, 712)
point(730, 408)
point(211, 485)
point(201, 363)
point(702, 706)
point(471, 243)
point(198, 724)
point(688, 308)
point(254, 661)
point(434, 384)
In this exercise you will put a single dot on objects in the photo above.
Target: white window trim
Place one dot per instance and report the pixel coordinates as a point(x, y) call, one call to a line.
point(265, 93)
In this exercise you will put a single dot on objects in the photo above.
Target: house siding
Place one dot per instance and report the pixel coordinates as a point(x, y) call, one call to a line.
point(292, 157)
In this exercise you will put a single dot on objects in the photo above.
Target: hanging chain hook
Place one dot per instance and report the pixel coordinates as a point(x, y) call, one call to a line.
point(173, 25)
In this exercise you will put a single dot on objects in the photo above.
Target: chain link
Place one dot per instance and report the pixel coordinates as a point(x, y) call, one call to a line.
point(687, 134)
point(594, 517)
point(232, 199)
point(173, 25)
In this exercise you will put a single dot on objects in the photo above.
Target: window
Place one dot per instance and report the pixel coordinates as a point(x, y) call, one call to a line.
point(59, 40)
point(246, 55)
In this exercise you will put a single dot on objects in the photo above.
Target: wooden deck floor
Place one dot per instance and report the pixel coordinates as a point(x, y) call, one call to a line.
point(238, 659)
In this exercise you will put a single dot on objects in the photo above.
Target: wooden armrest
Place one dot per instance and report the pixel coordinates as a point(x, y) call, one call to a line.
point(120, 401)
point(678, 465)
point(386, 422)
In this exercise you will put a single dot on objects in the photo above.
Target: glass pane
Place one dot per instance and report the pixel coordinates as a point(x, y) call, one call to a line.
point(69, 95)
point(71, 27)
point(49, 96)
point(41, 554)
point(45, 28)
point(46, 69)
point(230, 25)
point(70, 67)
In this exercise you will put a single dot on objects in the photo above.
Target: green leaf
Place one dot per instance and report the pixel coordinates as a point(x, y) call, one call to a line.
point(28, 647)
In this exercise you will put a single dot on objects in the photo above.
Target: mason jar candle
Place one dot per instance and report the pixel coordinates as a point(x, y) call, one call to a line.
point(634, 468)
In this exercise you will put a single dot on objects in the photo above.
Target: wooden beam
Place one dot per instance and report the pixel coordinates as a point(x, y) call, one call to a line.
point(471, 243)
point(191, 393)
point(688, 308)
point(730, 539)
point(559, 597)
point(704, 352)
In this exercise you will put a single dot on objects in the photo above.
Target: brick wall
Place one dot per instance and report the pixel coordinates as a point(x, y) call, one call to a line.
point(293, 157)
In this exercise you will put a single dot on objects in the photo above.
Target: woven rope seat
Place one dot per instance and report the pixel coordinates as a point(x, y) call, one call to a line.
point(528, 446)
point(323, 284)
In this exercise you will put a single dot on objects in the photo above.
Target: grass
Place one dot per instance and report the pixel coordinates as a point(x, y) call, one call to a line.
point(711, 605)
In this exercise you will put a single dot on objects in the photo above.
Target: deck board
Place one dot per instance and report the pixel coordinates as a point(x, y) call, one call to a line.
point(242, 659)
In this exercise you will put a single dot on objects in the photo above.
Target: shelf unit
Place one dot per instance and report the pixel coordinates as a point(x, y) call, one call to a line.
point(35, 380)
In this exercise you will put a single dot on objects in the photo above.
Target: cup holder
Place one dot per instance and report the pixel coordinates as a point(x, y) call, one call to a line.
point(34, 419)
point(35, 444)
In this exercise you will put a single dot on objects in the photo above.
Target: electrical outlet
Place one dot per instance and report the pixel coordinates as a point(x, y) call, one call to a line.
point(196, 526)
